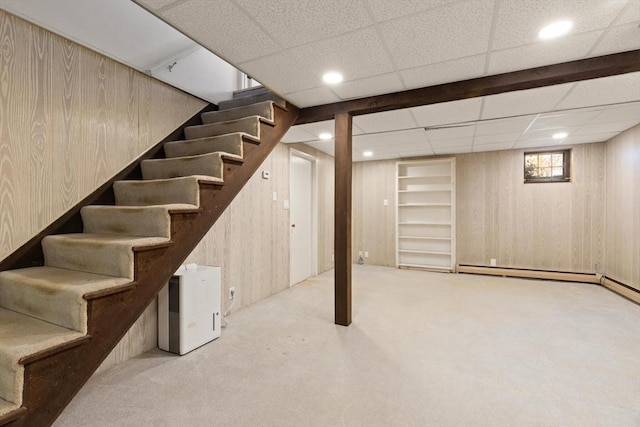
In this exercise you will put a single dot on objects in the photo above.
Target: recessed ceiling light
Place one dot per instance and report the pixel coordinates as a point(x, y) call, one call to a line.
point(368, 153)
point(555, 29)
point(325, 135)
point(332, 78)
point(560, 135)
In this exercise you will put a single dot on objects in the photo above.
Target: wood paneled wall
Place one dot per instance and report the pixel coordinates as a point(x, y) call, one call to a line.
point(557, 226)
point(623, 208)
point(373, 223)
point(542, 226)
point(70, 119)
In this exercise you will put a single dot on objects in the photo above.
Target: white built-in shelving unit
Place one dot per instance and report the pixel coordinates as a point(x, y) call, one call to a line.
point(426, 214)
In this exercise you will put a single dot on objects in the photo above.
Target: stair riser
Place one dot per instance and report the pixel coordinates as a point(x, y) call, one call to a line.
point(10, 386)
point(247, 100)
point(62, 309)
point(149, 193)
point(131, 222)
point(263, 110)
point(250, 126)
point(210, 165)
point(232, 145)
point(109, 260)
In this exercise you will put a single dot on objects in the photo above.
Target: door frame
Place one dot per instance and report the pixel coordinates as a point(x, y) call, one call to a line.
point(314, 209)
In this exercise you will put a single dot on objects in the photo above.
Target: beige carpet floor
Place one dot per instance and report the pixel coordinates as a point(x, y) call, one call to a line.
point(424, 349)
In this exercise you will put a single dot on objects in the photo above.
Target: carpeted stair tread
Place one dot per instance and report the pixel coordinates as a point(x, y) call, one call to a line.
point(54, 295)
point(106, 254)
point(21, 336)
point(144, 221)
point(183, 190)
point(209, 164)
point(6, 407)
point(249, 125)
point(262, 109)
point(252, 99)
point(231, 143)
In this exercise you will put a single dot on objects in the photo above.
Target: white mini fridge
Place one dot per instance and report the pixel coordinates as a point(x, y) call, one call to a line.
point(189, 309)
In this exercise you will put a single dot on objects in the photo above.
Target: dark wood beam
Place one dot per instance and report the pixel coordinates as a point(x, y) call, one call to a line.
point(583, 69)
point(342, 238)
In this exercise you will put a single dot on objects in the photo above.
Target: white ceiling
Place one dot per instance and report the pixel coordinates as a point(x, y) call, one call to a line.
point(383, 46)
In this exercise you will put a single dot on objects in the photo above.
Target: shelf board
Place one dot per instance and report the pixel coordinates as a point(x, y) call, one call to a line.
point(425, 223)
point(423, 176)
point(424, 238)
point(412, 251)
point(423, 204)
point(432, 190)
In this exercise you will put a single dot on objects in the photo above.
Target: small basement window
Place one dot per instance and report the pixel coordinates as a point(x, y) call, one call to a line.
point(547, 166)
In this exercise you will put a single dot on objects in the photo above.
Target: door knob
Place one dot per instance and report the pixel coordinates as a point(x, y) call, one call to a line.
point(293, 226)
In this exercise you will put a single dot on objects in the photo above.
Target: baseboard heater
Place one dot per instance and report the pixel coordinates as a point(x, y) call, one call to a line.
point(525, 273)
point(620, 288)
point(563, 276)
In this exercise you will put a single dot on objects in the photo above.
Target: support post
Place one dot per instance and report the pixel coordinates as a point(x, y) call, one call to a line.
point(342, 237)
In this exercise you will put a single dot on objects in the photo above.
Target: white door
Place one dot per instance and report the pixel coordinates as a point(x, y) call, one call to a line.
point(300, 215)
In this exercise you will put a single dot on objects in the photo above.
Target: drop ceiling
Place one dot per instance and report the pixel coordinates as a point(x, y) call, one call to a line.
point(384, 46)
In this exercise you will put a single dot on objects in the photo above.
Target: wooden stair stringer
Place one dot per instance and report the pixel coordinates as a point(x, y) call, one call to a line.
point(51, 381)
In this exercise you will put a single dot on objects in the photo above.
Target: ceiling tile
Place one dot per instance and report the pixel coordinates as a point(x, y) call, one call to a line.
point(390, 138)
point(241, 43)
point(606, 127)
point(293, 23)
point(548, 133)
point(539, 54)
point(355, 55)
point(606, 90)
point(283, 71)
point(586, 139)
point(619, 39)
point(376, 85)
point(630, 14)
point(497, 139)
point(451, 133)
point(524, 101)
point(386, 121)
point(156, 4)
point(444, 72)
point(617, 113)
point(384, 10)
point(538, 143)
point(518, 22)
point(448, 112)
point(458, 142)
point(502, 126)
point(298, 134)
point(493, 147)
point(439, 34)
point(453, 150)
point(310, 97)
point(563, 120)
point(357, 157)
point(324, 146)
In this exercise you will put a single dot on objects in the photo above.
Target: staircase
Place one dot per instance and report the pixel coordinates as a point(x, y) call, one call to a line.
point(60, 320)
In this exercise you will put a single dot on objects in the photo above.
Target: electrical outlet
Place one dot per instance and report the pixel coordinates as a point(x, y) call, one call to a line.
point(360, 254)
point(366, 254)
point(493, 262)
point(386, 202)
point(232, 292)
point(333, 257)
